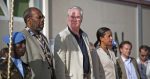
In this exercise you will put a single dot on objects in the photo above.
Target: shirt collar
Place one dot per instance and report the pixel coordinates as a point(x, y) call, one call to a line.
point(146, 62)
point(32, 33)
point(14, 59)
point(80, 32)
point(29, 30)
point(125, 59)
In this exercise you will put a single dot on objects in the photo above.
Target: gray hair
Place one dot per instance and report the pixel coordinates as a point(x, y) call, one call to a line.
point(76, 7)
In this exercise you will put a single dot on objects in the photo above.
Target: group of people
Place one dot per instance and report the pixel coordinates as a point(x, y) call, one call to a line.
point(75, 57)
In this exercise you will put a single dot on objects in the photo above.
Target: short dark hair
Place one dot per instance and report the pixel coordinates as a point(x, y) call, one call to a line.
point(125, 42)
point(144, 47)
point(28, 13)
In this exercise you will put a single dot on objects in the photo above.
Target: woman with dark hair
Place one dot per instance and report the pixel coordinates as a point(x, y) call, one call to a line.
point(106, 56)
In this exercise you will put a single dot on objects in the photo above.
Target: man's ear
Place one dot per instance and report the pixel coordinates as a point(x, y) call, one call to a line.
point(120, 49)
point(29, 22)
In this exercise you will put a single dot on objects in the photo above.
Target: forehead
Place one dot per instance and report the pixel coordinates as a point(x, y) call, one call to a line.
point(74, 11)
point(108, 33)
point(126, 46)
point(144, 51)
point(21, 42)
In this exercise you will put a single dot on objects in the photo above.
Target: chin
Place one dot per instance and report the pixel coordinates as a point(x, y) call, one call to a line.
point(39, 29)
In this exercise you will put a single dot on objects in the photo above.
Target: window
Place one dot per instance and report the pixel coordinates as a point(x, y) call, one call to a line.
point(1, 12)
point(20, 6)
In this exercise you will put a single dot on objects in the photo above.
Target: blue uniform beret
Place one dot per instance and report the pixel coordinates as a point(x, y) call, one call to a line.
point(16, 38)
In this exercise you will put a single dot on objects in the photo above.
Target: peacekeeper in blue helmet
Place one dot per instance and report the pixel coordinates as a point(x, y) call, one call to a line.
point(18, 69)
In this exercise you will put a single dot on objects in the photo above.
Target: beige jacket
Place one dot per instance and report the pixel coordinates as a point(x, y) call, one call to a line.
point(35, 58)
point(69, 58)
point(97, 66)
point(108, 63)
point(121, 68)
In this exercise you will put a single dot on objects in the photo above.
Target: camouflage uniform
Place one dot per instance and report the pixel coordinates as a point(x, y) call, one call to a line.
point(14, 72)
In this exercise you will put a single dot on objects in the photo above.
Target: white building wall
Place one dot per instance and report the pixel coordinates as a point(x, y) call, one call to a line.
point(146, 26)
point(4, 25)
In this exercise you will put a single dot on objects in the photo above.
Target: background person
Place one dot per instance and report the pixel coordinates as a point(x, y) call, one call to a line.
point(127, 66)
point(3, 54)
point(143, 62)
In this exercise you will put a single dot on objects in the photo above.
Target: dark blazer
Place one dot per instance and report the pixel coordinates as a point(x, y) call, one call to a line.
point(121, 68)
point(14, 72)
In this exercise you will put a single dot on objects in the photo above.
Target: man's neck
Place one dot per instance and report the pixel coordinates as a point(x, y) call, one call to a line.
point(75, 31)
point(125, 57)
point(16, 57)
point(143, 62)
point(33, 31)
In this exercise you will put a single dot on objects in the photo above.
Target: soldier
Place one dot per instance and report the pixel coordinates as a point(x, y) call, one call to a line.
point(18, 69)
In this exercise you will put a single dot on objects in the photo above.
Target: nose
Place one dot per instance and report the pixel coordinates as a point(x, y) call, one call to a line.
point(42, 22)
point(42, 19)
point(74, 19)
point(111, 37)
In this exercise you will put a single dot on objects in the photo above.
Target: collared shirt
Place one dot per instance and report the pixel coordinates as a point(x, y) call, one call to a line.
point(18, 64)
point(82, 45)
point(29, 30)
point(129, 67)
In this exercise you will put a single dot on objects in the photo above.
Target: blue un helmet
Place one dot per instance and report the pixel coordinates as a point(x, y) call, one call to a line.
point(17, 37)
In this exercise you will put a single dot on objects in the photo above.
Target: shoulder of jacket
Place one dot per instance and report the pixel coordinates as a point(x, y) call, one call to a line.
point(148, 60)
point(118, 59)
point(26, 33)
point(85, 34)
point(132, 58)
point(64, 33)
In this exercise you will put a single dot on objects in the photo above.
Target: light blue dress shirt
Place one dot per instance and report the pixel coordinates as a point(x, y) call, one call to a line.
point(129, 67)
point(18, 64)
